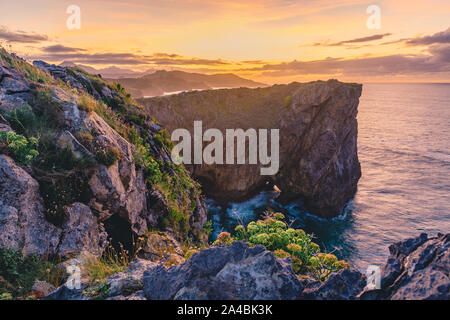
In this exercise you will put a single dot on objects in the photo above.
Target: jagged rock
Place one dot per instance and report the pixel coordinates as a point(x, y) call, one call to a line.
point(117, 189)
point(14, 89)
point(125, 284)
point(159, 246)
point(231, 272)
point(67, 140)
point(343, 285)
point(138, 295)
point(417, 268)
point(4, 125)
point(41, 289)
point(76, 268)
point(65, 293)
point(318, 133)
point(22, 222)
point(81, 232)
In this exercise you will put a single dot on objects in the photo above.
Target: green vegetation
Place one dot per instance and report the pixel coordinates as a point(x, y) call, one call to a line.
point(30, 72)
point(275, 235)
point(113, 261)
point(18, 273)
point(21, 149)
point(107, 155)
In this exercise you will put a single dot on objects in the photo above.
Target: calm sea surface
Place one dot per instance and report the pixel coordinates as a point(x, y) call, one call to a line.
point(404, 150)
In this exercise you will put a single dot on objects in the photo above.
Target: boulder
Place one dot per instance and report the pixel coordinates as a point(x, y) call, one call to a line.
point(161, 247)
point(41, 289)
point(125, 284)
point(230, 272)
point(417, 269)
point(343, 285)
point(22, 222)
point(81, 232)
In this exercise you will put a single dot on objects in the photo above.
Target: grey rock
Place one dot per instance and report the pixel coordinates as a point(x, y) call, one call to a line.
point(417, 269)
point(343, 285)
point(231, 272)
point(4, 125)
point(81, 232)
point(158, 246)
point(42, 288)
point(318, 139)
point(65, 293)
point(22, 222)
point(124, 284)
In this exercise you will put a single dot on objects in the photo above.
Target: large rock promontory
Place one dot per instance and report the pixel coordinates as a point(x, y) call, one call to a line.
point(318, 139)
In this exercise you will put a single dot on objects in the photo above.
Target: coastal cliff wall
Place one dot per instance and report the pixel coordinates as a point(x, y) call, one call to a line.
point(81, 165)
point(318, 139)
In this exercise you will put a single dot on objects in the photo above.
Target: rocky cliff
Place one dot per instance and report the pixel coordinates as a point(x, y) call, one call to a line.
point(318, 139)
point(81, 165)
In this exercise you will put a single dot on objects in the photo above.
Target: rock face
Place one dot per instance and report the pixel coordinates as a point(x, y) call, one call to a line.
point(343, 285)
point(417, 269)
point(22, 221)
point(161, 247)
point(94, 132)
point(15, 90)
point(318, 139)
point(231, 272)
point(81, 232)
point(118, 189)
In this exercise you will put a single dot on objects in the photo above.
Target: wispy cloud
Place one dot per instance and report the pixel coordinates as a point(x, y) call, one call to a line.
point(59, 53)
point(57, 48)
point(21, 36)
point(439, 37)
point(352, 41)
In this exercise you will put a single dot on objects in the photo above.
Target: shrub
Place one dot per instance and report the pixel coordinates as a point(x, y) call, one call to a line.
point(224, 238)
point(22, 120)
point(87, 103)
point(18, 273)
point(22, 150)
point(287, 242)
point(107, 156)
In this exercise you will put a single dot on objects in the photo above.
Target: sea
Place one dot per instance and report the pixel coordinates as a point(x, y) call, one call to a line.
point(404, 150)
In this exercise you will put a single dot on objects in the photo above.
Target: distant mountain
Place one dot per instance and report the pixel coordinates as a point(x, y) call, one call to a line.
point(162, 82)
point(110, 72)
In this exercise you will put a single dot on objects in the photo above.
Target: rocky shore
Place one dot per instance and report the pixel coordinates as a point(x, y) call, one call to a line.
point(417, 268)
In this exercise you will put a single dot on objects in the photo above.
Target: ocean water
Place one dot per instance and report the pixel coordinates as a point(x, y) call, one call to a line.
point(404, 150)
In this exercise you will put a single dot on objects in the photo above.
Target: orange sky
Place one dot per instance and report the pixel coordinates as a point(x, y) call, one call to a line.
point(272, 41)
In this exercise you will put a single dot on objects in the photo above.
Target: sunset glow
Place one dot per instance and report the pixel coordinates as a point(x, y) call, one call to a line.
point(272, 41)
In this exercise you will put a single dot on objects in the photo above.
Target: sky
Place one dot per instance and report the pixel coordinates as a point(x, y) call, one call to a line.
point(271, 41)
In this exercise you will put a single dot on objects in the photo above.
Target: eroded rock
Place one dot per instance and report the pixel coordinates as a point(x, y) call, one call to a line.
point(22, 222)
point(232, 272)
point(81, 232)
point(318, 139)
point(417, 268)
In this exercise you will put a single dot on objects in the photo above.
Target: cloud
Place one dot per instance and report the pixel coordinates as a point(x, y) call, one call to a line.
point(363, 66)
point(440, 37)
point(76, 55)
point(57, 48)
point(352, 41)
point(21, 36)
